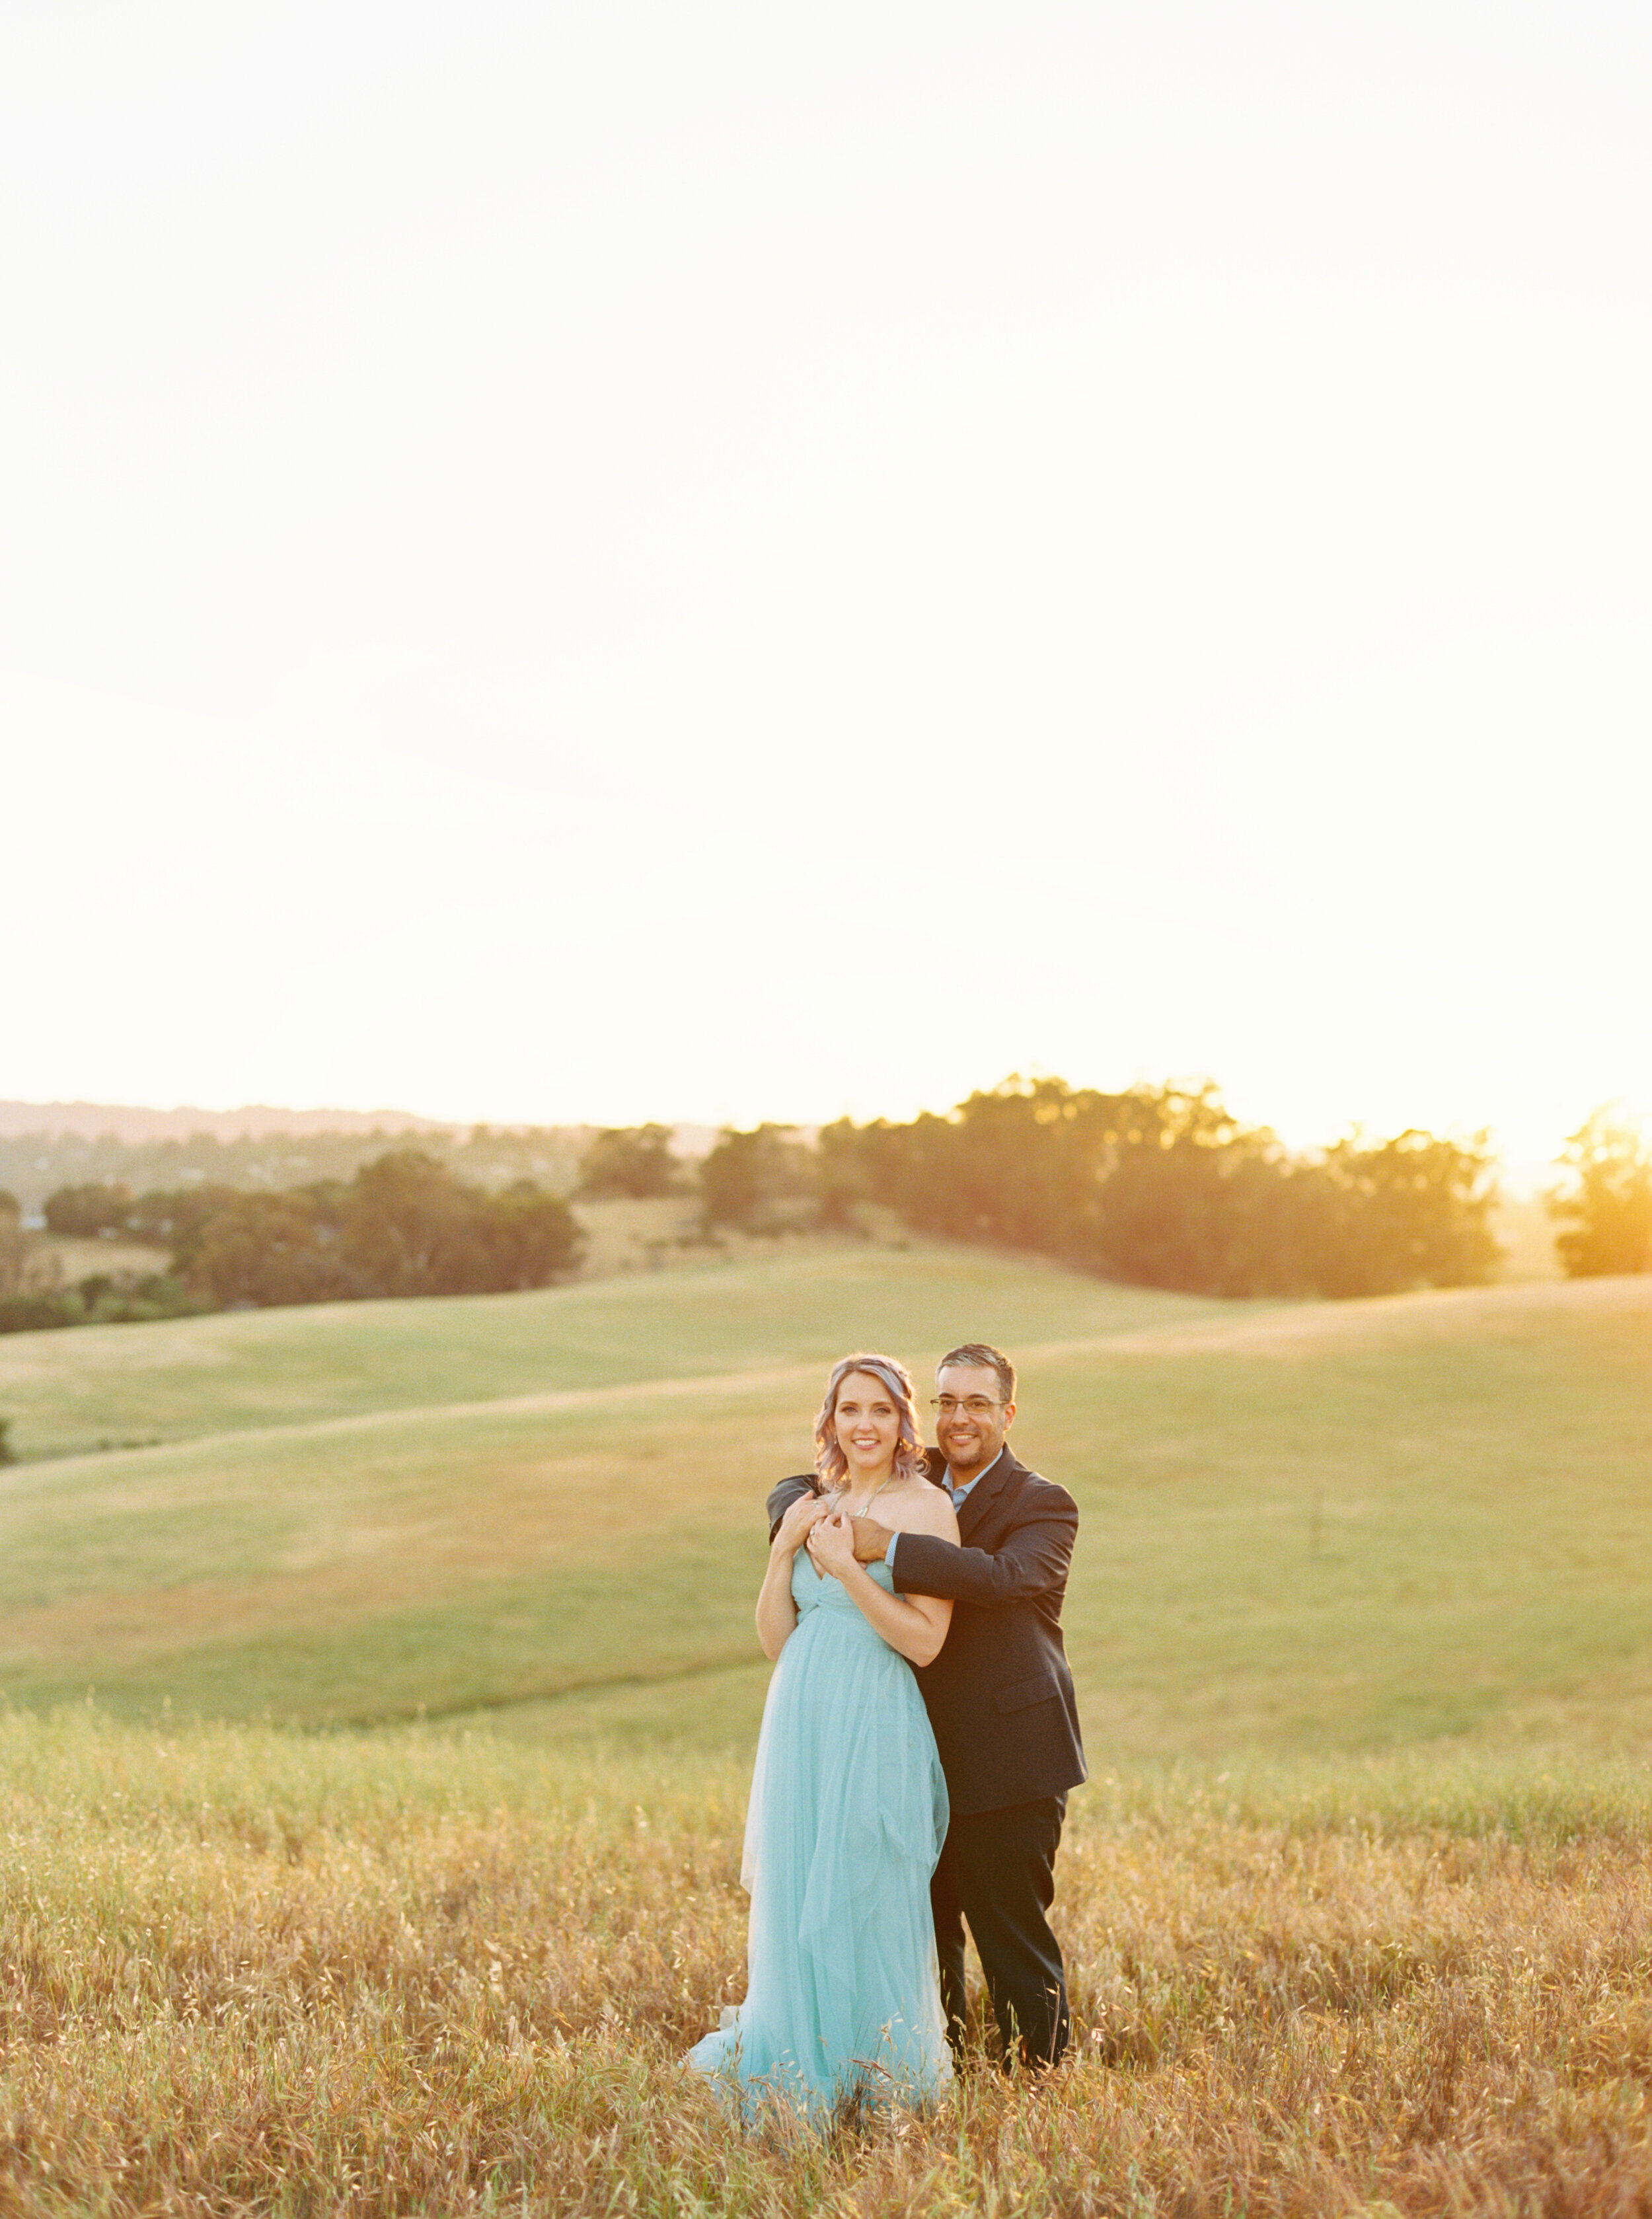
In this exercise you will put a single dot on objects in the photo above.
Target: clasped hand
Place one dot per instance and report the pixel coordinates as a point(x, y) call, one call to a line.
point(805, 1512)
point(831, 1544)
point(848, 1541)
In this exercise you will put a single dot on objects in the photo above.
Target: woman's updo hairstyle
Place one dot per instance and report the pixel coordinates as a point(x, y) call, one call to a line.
point(830, 1462)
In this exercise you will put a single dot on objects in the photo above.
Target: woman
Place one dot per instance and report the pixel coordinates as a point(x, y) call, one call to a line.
point(849, 1802)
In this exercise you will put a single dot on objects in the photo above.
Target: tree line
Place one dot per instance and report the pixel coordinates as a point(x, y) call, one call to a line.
point(1162, 1186)
point(33, 1165)
point(405, 1224)
point(1157, 1186)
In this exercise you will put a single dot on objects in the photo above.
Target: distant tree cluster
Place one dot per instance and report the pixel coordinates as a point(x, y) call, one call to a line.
point(404, 1225)
point(1158, 1186)
point(762, 1181)
point(33, 1297)
point(629, 1161)
point(35, 1164)
point(84, 1212)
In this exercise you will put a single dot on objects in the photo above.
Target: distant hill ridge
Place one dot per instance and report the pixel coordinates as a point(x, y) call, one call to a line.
point(45, 1145)
point(92, 1121)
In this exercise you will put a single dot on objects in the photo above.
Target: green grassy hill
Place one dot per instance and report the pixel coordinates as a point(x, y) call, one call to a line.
point(100, 1386)
point(1352, 1525)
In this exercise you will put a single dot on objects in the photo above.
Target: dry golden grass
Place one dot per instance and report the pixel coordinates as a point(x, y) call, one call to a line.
point(422, 1970)
point(244, 1973)
point(69, 1259)
point(626, 1235)
point(1442, 1317)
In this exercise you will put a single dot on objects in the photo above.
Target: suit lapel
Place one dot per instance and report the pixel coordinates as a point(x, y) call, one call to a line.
point(985, 1493)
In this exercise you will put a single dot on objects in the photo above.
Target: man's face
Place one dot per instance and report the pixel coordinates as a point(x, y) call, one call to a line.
point(971, 1420)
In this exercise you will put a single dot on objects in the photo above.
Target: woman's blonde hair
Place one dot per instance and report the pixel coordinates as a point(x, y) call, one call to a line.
point(830, 1462)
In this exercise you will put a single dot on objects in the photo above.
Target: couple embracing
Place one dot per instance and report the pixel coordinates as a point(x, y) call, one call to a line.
point(917, 1743)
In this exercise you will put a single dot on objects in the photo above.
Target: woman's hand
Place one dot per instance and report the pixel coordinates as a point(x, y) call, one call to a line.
point(799, 1521)
point(831, 1546)
point(777, 1614)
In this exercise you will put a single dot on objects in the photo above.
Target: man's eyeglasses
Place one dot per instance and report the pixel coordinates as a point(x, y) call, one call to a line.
point(973, 1406)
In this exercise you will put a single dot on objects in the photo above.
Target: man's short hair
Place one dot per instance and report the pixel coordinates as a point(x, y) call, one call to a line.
point(989, 1359)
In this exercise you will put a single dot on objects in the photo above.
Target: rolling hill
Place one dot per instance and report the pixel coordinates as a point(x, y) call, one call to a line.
point(1329, 1525)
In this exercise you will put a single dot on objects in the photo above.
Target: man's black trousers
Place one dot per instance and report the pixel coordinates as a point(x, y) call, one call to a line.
point(997, 1871)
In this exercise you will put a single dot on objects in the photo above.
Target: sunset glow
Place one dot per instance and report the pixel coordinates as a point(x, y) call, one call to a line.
point(608, 564)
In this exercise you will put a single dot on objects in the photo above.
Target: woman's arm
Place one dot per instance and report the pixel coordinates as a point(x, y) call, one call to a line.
point(914, 1625)
point(777, 1614)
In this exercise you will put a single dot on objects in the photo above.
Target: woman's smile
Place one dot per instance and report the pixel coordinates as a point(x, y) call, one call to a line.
point(869, 1425)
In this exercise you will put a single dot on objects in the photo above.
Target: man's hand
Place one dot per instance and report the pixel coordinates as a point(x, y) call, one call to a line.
point(872, 1541)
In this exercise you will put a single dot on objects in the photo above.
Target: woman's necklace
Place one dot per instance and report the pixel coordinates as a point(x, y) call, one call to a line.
point(837, 1500)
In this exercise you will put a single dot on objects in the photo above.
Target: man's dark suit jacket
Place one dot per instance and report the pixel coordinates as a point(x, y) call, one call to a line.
point(999, 1695)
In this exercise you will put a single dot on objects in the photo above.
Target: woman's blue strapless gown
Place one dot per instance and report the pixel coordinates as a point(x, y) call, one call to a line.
point(847, 1815)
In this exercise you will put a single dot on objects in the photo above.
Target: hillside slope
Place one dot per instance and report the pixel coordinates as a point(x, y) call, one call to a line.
point(103, 1385)
point(1330, 1525)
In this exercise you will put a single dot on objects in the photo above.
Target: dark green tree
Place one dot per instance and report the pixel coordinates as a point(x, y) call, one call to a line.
point(1163, 1186)
point(404, 1225)
point(176, 1217)
point(760, 1181)
point(86, 1211)
point(632, 1160)
point(533, 1238)
point(267, 1250)
point(410, 1228)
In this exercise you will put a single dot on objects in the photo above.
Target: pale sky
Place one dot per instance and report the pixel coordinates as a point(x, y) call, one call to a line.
point(603, 561)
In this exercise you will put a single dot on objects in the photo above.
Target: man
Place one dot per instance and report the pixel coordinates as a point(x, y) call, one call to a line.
point(1000, 1699)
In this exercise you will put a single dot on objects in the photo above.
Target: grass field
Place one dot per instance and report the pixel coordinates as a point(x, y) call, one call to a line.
point(1357, 1907)
point(430, 1970)
point(1339, 1526)
point(103, 1384)
point(363, 1509)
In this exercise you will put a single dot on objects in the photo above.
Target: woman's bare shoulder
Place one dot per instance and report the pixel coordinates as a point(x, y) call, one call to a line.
point(922, 1508)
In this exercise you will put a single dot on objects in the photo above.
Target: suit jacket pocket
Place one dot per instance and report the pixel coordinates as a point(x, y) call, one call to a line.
point(1020, 1695)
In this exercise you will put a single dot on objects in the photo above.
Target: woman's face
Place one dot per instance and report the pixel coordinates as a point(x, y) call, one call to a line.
point(868, 1423)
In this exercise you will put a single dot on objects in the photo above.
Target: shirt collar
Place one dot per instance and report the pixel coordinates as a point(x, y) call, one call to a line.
point(959, 1493)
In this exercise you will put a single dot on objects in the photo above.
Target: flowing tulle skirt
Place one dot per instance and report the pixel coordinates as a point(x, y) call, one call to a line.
point(847, 1815)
